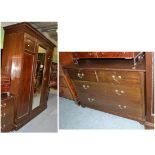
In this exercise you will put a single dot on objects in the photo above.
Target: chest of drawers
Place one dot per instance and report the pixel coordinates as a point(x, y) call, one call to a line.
point(110, 87)
point(7, 113)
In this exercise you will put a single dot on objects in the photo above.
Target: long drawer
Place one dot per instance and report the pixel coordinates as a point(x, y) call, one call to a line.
point(115, 106)
point(130, 94)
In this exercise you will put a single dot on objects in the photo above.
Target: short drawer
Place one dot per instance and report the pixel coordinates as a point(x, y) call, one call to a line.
point(89, 88)
point(120, 77)
point(82, 74)
point(29, 43)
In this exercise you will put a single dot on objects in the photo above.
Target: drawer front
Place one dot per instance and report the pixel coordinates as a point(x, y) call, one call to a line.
point(129, 94)
point(84, 54)
point(113, 105)
point(119, 77)
point(127, 110)
point(89, 88)
point(82, 74)
point(29, 43)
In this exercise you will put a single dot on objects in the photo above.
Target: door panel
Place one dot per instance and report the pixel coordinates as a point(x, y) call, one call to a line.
point(23, 106)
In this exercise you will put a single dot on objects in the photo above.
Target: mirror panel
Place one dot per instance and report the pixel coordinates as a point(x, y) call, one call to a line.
point(38, 77)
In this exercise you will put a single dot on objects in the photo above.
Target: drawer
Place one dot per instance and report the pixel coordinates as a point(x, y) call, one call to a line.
point(29, 43)
point(114, 106)
point(84, 54)
point(82, 74)
point(65, 92)
point(90, 88)
point(129, 94)
point(120, 77)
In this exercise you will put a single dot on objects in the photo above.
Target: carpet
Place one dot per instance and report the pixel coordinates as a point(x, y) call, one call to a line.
point(72, 116)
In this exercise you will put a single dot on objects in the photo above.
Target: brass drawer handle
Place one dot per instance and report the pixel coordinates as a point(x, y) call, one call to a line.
point(122, 107)
point(116, 78)
point(85, 86)
point(80, 75)
point(119, 77)
point(91, 99)
point(119, 92)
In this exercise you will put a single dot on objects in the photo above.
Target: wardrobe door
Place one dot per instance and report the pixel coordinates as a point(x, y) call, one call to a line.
point(46, 76)
point(24, 99)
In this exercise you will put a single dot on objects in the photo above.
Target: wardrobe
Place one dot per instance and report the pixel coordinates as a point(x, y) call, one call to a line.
point(119, 83)
point(26, 59)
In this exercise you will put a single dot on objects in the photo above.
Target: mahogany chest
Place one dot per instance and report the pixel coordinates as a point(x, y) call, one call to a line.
point(110, 85)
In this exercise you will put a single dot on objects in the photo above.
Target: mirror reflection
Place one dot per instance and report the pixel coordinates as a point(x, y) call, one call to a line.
point(38, 77)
